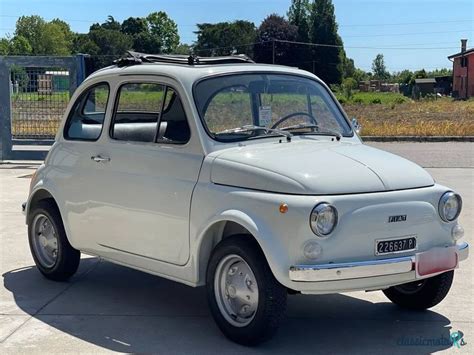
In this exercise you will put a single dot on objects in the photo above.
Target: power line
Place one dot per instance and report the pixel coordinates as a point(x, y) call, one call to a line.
point(407, 34)
point(341, 25)
point(406, 23)
point(358, 47)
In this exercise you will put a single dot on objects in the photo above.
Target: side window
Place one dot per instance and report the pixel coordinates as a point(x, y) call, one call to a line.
point(86, 118)
point(174, 126)
point(137, 112)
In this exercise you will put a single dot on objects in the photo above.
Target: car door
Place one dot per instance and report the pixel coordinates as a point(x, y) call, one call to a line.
point(75, 174)
point(149, 165)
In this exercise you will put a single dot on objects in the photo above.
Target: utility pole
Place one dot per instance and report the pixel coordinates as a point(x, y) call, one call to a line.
point(273, 51)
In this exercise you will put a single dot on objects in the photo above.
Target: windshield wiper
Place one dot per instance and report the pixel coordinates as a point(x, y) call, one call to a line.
point(318, 129)
point(251, 128)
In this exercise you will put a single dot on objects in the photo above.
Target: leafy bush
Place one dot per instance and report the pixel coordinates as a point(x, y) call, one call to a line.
point(335, 88)
point(376, 101)
point(400, 100)
point(348, 85)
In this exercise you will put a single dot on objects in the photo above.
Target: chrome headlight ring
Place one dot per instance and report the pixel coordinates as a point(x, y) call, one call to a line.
point(449, 206)
point(323, 219)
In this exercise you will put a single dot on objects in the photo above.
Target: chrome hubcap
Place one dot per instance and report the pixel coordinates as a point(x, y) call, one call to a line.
point(236, 290)
point(45, 241)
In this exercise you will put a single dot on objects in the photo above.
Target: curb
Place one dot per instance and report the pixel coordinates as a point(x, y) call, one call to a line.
point(418, 138)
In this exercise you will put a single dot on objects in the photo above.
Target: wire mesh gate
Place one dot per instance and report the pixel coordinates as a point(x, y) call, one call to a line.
point(39, 97)
point(34, 93)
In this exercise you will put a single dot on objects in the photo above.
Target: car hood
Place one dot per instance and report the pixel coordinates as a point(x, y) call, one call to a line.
point(309, 166)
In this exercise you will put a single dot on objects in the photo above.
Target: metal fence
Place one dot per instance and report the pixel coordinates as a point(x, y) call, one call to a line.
point(39, 97)
point(34, 93)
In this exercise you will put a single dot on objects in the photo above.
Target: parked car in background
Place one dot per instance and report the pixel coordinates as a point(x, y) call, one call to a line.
point(247, 179)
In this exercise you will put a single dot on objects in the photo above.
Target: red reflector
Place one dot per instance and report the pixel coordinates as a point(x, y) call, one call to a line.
point(436, 260)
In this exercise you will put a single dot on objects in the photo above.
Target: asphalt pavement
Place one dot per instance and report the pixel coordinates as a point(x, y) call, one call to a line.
point(106, 307)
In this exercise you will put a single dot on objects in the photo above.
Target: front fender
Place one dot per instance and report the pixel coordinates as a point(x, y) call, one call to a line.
point(207, 229)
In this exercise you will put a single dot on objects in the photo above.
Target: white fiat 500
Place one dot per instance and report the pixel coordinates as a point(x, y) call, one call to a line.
point(246, 178)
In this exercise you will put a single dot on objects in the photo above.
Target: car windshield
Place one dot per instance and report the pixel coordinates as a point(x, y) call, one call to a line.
point(248, 106)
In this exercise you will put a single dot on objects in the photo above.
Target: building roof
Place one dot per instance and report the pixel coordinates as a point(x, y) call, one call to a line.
point(425, 81)
point(467, 52)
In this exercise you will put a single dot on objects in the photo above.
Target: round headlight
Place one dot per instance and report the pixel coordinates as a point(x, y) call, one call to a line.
point(449, 206)
point(323, 219)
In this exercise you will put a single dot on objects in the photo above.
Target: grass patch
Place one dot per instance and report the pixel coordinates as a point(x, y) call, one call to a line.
point(373, 98)
point(441, 117)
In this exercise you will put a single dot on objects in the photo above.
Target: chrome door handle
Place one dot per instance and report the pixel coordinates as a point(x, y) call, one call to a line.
point(100, 159)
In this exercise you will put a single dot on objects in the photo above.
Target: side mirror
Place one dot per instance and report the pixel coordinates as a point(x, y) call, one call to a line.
point(356, 125)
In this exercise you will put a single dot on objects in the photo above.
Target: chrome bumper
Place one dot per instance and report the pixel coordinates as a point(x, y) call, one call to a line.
point(361, 269)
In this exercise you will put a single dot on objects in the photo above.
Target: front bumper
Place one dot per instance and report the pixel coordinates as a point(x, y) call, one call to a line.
point(372, 268)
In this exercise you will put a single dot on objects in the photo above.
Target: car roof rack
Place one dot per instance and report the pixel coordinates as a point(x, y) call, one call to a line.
point(134, 58)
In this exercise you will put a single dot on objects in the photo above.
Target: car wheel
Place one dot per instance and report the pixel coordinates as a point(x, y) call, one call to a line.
point(245, 299)
point(54, 257)
point(421, 294)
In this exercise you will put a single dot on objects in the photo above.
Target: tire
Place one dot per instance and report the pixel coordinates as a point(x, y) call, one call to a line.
point(260, 322)
point(423, 294)
point(54, 257)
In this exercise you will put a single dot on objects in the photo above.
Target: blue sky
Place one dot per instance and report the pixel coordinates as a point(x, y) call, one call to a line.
point(417, 33)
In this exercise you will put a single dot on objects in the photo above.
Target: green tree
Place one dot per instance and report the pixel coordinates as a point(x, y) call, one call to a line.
point(45, 38)
point(360, 75)
point(299, 15)
point(107, 41)
point(146, 42)
point(164, 29)
point(31, 28)
point(183, 48)
point(4, 46)
point(403, 77)
point(111, 24)
point(53, 41)
point(110, 42)
point(19, 45)
point(267, 50)
point(223, 38)
point(379, 69)
point(66, 29)
point(348, 85)
point(82, 43)
point(134, 26)
point(419, 74)
point(348, 66)
point(323, 30)
point(440, 72)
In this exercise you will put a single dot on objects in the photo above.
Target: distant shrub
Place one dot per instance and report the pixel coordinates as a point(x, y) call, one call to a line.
point(335, 87)
point(341, 100)
point(348, 85)
point(400, 100)
point(376, 101)
point(358, 100)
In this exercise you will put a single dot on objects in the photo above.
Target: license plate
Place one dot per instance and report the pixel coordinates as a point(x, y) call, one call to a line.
point(393, 246)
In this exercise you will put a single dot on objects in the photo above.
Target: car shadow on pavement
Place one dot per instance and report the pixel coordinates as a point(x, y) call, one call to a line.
point(124, 310)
